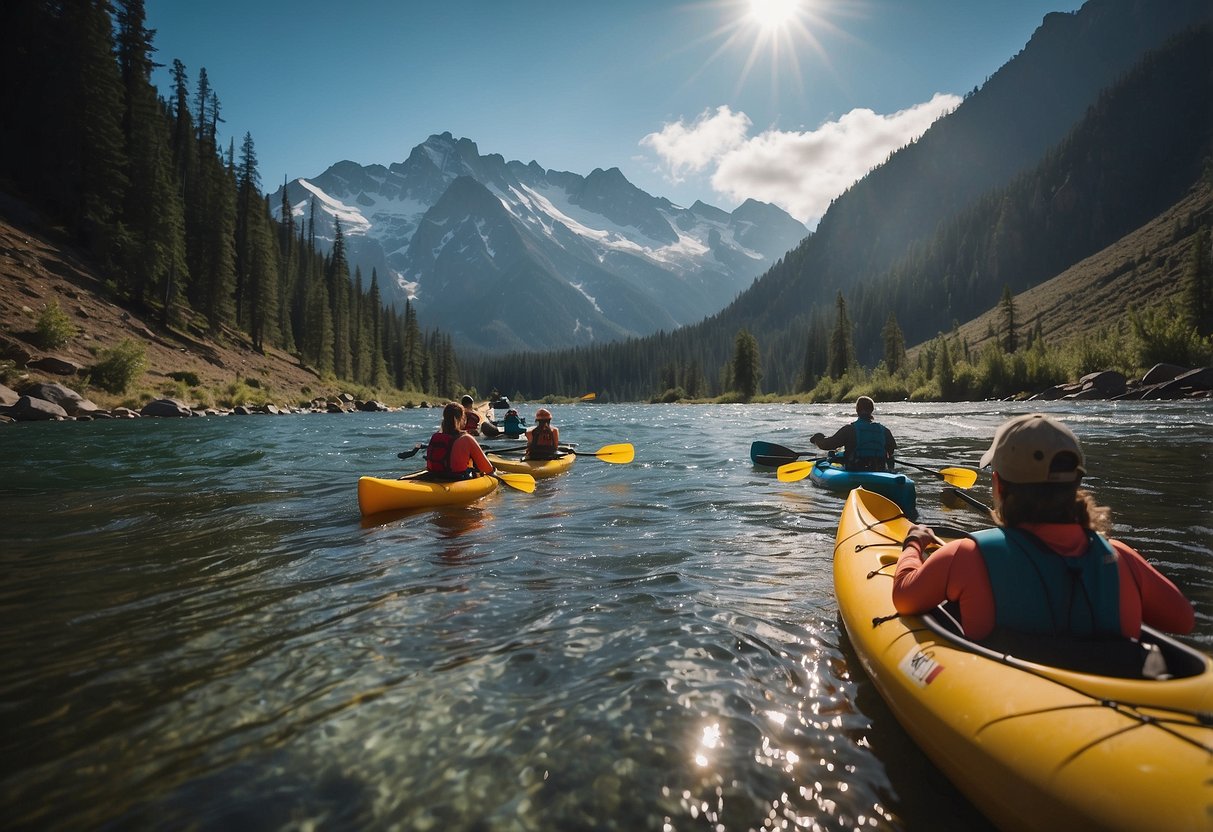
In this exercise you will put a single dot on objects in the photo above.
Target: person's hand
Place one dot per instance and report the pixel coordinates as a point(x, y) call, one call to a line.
point(920, 536)
point(817, 438)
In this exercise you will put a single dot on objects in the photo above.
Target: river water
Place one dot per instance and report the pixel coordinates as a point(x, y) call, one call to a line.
point(199, 631)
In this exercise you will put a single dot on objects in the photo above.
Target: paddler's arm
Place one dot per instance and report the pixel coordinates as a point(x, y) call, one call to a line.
point(916, 589)
point(844, 436)
point(476, 454)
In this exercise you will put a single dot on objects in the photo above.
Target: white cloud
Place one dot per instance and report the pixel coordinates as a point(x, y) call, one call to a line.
point(799, 171)
point(691, 148)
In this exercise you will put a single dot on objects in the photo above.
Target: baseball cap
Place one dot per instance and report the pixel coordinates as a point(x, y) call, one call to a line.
point(1024, 449)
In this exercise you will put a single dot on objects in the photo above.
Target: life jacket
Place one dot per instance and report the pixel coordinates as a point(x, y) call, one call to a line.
point(438, 453)
point(1039, 591)
point(471, 421)
point(869, 453)
point(542, 443)
point(513, 424)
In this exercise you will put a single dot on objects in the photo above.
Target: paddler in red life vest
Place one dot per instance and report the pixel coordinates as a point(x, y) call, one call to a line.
point(1047, 569)
point(471, 417)
point(453, 453)
point(543, 440)
point(869, 444)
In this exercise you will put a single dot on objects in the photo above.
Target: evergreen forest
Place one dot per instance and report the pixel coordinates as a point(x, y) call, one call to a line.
point(173, 216)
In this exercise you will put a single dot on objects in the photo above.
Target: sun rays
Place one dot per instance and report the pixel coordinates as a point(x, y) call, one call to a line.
point(772, 33)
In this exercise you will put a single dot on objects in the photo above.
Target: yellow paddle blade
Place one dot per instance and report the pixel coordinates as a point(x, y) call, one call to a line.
point(523, 482)
point(619, 454)
point(588, 397)
point(959, 477)
point(794, 471)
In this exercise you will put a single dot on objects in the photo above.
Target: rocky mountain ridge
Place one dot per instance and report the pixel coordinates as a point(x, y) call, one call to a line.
point(506, 255)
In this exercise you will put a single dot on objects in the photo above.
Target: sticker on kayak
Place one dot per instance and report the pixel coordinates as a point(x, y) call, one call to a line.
point(921, 667)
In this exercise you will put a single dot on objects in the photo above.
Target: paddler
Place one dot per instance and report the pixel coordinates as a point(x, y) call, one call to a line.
point(452, 452)
point(869, 445)
point(543, 440)
point(1047, 567)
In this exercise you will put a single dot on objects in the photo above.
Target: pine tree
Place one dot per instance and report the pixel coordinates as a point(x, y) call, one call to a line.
point(378, 369)
point(747, 369)
point(1009, 321)
point(248, 203)
point(842, 347)
point(87, 177)
point(338, 280)
point(154, 214)
point(944, 369)
point(894, 345)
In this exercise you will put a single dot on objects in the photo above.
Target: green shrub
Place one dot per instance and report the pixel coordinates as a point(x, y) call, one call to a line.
point(54, 327)
point(186, 376)
point(238, 393)
point(1165, 337)
point(119, 366)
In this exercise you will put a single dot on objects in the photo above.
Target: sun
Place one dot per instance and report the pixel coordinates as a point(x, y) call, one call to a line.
point(773, 14)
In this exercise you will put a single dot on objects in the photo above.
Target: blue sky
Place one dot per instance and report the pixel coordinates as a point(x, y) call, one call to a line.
point(719, 100)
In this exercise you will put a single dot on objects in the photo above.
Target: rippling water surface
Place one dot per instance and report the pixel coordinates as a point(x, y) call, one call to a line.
point(199, 630)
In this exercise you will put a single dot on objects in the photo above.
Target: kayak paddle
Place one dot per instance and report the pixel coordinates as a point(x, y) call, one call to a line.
point(768, 453)
point(410, 454)
point(794, 471)
point(522, 482)
point(619, 454)
point(959, 477)
point(968, 498)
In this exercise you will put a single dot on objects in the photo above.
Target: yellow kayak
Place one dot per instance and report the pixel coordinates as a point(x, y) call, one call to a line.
point(1033, 746)
point(416, 491)
point(537, 468)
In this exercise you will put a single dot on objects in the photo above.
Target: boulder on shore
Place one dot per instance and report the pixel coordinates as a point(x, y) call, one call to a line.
point(166, 408)
point(65, 397)
point(29, 409)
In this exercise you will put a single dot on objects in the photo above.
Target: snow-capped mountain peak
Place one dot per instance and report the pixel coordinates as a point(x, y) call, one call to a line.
point(595, 256)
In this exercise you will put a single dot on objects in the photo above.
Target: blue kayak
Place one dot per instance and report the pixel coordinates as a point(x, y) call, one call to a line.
point(899, 488)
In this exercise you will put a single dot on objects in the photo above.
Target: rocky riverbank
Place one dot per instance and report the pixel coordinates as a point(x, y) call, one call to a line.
point(49, 401)
point(1163, 381)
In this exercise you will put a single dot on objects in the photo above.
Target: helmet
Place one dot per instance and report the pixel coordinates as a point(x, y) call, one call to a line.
point(543, 413)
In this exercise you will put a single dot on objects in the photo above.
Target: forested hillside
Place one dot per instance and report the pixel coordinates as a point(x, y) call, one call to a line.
point(172, 215)
point(1140, 147)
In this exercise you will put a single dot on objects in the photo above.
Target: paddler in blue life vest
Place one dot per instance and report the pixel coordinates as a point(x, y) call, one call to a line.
point(1047, 569)
point(453, 453)
point(513, 425)
point(543, 440)
point(869, 444)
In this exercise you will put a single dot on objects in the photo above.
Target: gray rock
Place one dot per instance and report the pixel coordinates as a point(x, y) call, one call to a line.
point(165, 407)
point(65, 397)
point(1161, 373)
point(8, 396)
point(53, 364)
point(1106, 384)
point(28, 409)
